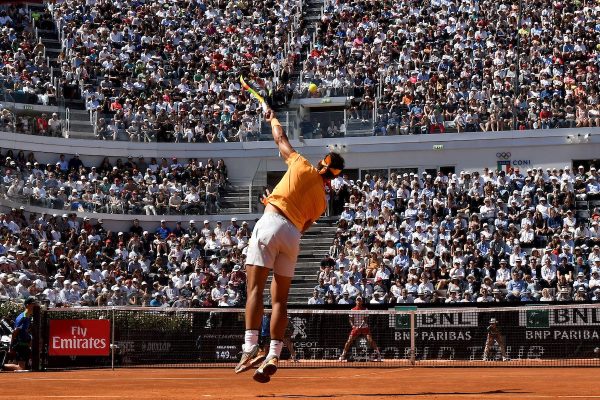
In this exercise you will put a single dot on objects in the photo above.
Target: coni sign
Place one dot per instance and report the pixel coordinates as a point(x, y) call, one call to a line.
point(505, 161)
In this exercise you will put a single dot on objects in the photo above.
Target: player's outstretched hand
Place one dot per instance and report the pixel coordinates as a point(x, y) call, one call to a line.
point(263, 198)
point(269, 115)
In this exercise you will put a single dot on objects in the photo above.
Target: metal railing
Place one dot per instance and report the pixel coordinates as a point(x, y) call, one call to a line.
point(104, 207)
point(67, 124)
point(257, 188)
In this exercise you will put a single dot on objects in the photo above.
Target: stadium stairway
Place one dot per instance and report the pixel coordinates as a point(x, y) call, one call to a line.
point(314, 245)
point(356, 127)
point(311, 13)
point(286, 123)
point(80, 125)
point(236, 200)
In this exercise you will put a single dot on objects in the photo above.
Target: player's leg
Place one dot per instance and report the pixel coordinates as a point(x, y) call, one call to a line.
point(489, 342)
point(287, 342)
point(347, 346)
point(263, 344)
point(280, 287)
point(502, 346)
point(284, 243)
point(256, 279)
point(374, 346)
point(265, 334)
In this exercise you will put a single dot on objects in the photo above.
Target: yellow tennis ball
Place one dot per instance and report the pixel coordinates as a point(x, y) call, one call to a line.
point(312, 88)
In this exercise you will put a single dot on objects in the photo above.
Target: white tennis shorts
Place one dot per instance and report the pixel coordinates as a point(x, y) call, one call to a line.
point(275, 244)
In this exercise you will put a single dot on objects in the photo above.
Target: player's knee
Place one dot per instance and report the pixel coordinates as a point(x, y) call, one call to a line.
point(279, 301)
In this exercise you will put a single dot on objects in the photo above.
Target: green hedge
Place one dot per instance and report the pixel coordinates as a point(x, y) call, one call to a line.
point(10, 310)
point(150, 319)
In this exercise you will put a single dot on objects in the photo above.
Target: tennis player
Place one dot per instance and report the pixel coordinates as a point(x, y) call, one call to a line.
point(360, 327)
point(265, 337)
point(297, 201)
point(494, 335)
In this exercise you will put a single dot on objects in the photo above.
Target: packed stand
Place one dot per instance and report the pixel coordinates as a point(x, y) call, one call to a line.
point(133, 186)
point(69, 262)
point(468, 237)
point(41, 124)
point(169, 71)
point(24, 71)
point(465, 66)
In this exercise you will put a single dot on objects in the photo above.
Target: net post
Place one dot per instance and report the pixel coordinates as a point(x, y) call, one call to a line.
point(412, 337)
point(112, 340)
point(36, 346)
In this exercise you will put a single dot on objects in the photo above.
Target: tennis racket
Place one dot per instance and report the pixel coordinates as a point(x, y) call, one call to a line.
point(247, 87)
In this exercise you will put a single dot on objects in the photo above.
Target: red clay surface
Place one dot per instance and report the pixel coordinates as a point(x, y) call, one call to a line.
point(337, 383)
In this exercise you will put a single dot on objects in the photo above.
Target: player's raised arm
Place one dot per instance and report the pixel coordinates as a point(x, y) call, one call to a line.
point(283, 143)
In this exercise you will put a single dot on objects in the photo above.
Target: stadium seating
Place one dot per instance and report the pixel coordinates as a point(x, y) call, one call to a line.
point(458, 66)
point(168, 71)
point(25, 74)
point(464, 238)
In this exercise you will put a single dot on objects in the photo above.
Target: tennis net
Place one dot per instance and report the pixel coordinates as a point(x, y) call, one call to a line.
point(563, 335)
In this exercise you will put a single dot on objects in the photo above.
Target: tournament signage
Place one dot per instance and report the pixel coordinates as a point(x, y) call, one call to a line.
point(79, 337)
point(559, 317)
point(531, 333)
point(559, 325)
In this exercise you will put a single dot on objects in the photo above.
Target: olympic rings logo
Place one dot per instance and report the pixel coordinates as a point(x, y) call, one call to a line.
point(503, 155)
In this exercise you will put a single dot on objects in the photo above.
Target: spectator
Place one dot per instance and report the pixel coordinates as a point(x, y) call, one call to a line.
point(55, 126)
point(104, 268)
point(469, 73)
point(25, 73)
point(173, 93)
point(464, 251)
point(187, 188)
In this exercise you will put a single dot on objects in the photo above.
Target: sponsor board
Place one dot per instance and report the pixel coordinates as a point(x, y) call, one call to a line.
point(434, 320)
point(562, 333)
point(547, 318)
point(79, 337)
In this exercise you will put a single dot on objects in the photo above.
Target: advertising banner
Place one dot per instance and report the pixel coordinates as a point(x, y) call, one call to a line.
point(79, 337)
point(532, 333)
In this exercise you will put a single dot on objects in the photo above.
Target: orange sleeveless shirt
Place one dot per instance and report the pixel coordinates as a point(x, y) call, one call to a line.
point(300, 195)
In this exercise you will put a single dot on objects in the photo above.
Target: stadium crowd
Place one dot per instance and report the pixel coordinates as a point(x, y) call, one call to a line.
point(24, 71)
point(65, 261)
point(470, 65)
point(133, 186)
point(39, 124)
point(467, 237)
point(169, 71)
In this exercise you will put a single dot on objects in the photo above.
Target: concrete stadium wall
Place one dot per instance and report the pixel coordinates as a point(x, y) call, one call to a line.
point(547, 148)
point(120, 222)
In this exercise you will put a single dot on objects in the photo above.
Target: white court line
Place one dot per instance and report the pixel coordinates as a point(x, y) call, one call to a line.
point(521, 395)
point(124, 378)
point(81, 397)
point(316, 376)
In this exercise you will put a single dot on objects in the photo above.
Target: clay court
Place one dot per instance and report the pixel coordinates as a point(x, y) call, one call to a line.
point(298, 383)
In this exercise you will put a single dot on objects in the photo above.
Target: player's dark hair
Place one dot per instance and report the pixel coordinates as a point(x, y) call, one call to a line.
point(336, 161)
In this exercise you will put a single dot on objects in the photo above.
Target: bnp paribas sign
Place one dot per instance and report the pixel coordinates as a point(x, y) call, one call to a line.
point(544, 318)
point(434, 319)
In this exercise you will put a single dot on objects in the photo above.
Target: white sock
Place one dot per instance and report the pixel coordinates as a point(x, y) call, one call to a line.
point(275, 348)
point(250, 339)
